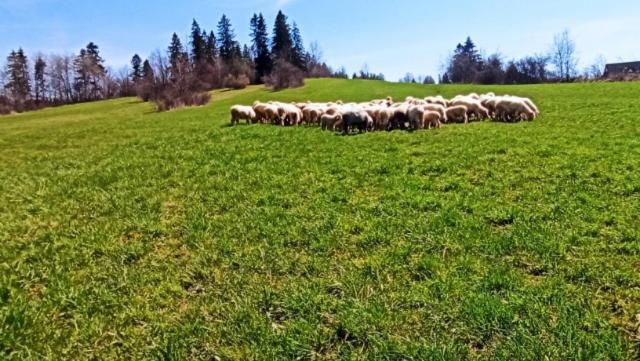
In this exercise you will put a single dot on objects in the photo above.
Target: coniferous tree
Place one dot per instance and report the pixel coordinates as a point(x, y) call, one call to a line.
point(177, 56)
point(299, 55)
point(246, 53)
point(237, 51)
point(81, 81)
point(19, 84)
point(147, 71)
point(176, 50)
point(90, 72)
point(227, 46)
point(260, 46)
point(210, 48)
point(465, 64)
point(282, 44)
point(198, 44)
point(136, 68)
point(40, 85)
point(469, 49)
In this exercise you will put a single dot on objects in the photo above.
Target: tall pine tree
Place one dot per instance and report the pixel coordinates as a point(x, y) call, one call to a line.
point(39, 80)
point(227, 46)
point(299, 55)
point(147, 71)
point(210, 48)
point(198, 44)
point(18, 84)
point(136, 68)
point(177, 56)
point(282, 44)
point(260, 46)
point(90, 71)
point(246, 53)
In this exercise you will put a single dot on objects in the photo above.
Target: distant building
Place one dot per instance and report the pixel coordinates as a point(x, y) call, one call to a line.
point(622, 68)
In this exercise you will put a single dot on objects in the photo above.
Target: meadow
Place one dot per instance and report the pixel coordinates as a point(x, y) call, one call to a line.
point(131, 234)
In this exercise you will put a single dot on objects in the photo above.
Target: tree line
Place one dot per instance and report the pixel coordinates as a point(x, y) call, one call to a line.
point(560, 64)
point(185, 72)
point(180, 75)
point(55, 80)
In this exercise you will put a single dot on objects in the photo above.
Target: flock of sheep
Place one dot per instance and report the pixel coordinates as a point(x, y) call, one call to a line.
point(385, 114)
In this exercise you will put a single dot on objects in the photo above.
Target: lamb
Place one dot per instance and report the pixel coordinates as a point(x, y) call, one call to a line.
point(458, 114)
point(239, 112)
point(431, 119)
point(330, 121)
point(439, 109)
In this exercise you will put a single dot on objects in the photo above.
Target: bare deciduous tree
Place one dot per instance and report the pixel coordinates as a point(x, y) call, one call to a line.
point(160, 64)
point(61, 74)
point(596, 70)
point(316, 54)
point(563, 56)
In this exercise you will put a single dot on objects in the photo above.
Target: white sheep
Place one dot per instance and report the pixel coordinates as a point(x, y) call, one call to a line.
point(239, 112)
point(474, 107)
point(514, 109)
point(457, 114)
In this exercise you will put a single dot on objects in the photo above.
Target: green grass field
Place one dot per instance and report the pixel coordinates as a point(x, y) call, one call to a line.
point(130, 234)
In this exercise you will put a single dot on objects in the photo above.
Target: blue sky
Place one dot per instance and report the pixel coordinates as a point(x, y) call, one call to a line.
point(392, 37)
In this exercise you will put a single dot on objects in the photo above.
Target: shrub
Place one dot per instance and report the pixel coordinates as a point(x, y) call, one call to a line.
point(180, 88)
point(236, 82)
point(284, 75)
point(5, 105)
point(170, 100)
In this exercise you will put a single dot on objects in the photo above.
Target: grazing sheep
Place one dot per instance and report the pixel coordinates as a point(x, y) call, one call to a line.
point(330, 122)
point(399, 119)
point(262, 111)
point(531, 106)
point(384, 114)
point(356, 119)
point(239, 112)
point(312, 114)
point(474, 107)
point(384, 118)
point(272, 114)
point(514, 109)
point(288, 114)
point(490, 105)
point(415, 113)
point(458, 114)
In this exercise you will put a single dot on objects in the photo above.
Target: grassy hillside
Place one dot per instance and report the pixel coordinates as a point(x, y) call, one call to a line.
point(128, 234)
